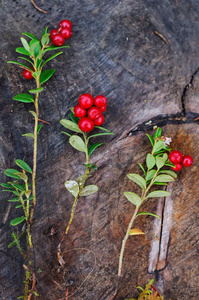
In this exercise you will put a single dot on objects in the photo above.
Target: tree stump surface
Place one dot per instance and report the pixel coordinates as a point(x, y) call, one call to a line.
point(143, 56)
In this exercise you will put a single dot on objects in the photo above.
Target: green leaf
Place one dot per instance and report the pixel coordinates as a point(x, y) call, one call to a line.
point(39, 61)
point(14, 200)
point(45, 31)
point(67, 133)
point(160, 183)
point(171, 173)
point(159, 145)
point(53, 56)
point(18, 63)
point(23, 176)
point(151, 139)
point(93, 147)
point(6, 185)
point(39, 128)
point(99, 134)
point(141, 166)
point(11, 191)
point(137, 179)
point(26, 98)
point(17, 221)
point(25, 44)
point(73, 118)
point(89, 190)
point(31, 135)
point(150, 175)
point(165, 156)
point(30, 35)
point(18, 187)
point(157, 194)
point(102, 128)
point(21, 57)
point(168, 163)
point(33, 45)
point(159, 162)
point(81, 179)
point(77, 143)
point(17, 206)
point(73, 187)
point(34, 114)
point(37, 50)
point(23, 51)
point(158, 133)
point(133, 198)
point(12, 173)
point(164, 178)
point(45, 39)
point(45, 75)
point(70, 125)
point(22, 164)
point(148, 213)
point(36, 91)
point(150, 161)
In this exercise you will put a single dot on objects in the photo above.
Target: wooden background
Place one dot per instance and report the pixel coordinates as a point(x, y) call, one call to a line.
point(148, 81)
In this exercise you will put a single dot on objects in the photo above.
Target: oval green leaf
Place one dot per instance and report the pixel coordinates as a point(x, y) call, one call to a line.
point(159, 162)
point(73, 187)
point(23, 176)
point(159, 145)
point(89, 190)
point(133, 198)
point(25, 44)
point(45, 75)
point(20, 64)
point(93, 147)
point(77, 143)
point(17, 221)
point(23, 51)
point(157, 194)
point(168, 172)
point(147, 213)
point(150, 175)
point(137, 179)
point(151, 139)
point(12, 173)
point(36, 91)
point(22, 164)
point(6, 186)
point(164, 178)
point(150, 161)
point(70, 125)
point(26, 98)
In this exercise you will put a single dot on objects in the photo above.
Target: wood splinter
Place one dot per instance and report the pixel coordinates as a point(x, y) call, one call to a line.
point(41, 10)
point(161, 36)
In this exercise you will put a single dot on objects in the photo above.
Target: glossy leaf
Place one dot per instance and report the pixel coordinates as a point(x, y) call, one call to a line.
point(157, 194)
point(150, 161)
point(169, 164)
point(30, 35)
point(18, 206)
point(70, 125)
point(168, 172)
point(14, 200)
point(25, 44)
point(160, 183)
point(159, 162)
point(53, 56)
point(11, 191)
point(139, 180)
point(31, 135)
point(39, 61)
point(148, 213)
point(159, 145)
point(33, 45)
point(158, 133)
point(136, 231)
point(39, 128)
point(21, 57)
point(45, 31)
point(133, 198)
point(45, 39)
point(73, 187)
point(73, 118)
point(12, 173)
point(26, 98)
point(45, 75)
point(151, 139)
point(17, 221)
point(164, 178)
point(89, 190)
point(18, 187)
point(20, 64)
point(23, 51)
point(37, 50)
point(77, 143)
point(99, 134)
point(150, 175)
point(93, 147)
point(6, 186)
point(22, 164)
point(36, 91)
point(141, 166)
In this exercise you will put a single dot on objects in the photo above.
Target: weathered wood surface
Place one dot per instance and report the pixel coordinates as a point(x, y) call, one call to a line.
point(148, 81)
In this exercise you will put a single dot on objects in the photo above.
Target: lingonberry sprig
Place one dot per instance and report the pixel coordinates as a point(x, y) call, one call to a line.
point(154, 174)
point(84, 118)
point(24, 187)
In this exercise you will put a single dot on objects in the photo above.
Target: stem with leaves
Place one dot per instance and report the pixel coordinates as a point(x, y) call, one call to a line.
point(24, 191)
point(153, 175)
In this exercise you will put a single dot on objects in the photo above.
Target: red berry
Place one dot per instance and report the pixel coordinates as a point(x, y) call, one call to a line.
point(58, 40)
point(187, 161)
point(85, 124)
point(27, 74)
point(103, 108)
point(65, 24)
point(100, 101)
point(94, 113)
point(175, 157)
point(79, 111)
point(177, 167)
point(86, 101)
point(53, 32)
point(66, 32)
point(99, 121)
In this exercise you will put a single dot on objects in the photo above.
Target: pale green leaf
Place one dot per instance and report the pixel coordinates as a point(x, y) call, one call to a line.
point(164, 178)
point(150, 161)
point(31, 135)
point(25, 44)
point(133, 198)
point(34, 114)
point(168, 172)
point(73, 187)
point(70, 125)
point(157, 194)
point(150, 175)
point(23, 176)
point(89, 190)
point(159, 145)
point(137, 179)
point(77, 143)
point(36, 91)
point(159, 162)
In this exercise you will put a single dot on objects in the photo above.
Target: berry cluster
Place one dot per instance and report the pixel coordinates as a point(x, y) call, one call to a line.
point(58, 36)
point(179, 160)
point(90, 111)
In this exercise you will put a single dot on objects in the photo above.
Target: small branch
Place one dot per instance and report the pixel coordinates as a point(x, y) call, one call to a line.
point(41, 10)
point(44, 121)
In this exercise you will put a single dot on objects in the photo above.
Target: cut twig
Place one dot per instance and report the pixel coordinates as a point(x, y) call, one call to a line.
point(161, 36)
point(41, 10)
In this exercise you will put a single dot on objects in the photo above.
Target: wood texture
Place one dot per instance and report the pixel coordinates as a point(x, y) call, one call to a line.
point(148, 80)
